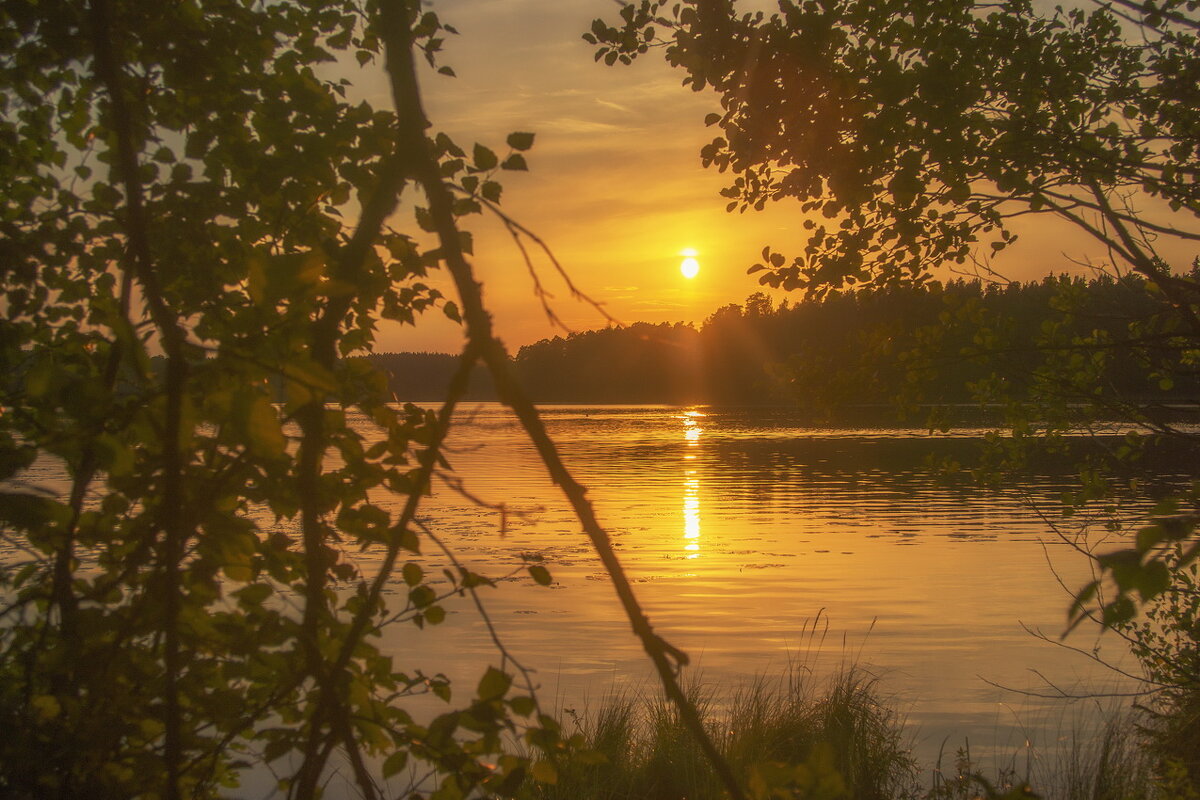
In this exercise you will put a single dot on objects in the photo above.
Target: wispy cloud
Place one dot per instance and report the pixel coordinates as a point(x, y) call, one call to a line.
point(615, 106)
point(579, 126)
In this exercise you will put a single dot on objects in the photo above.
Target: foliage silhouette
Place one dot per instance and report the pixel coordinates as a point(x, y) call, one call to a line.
point(937, 343)
point(912, 134)
point(177, 257)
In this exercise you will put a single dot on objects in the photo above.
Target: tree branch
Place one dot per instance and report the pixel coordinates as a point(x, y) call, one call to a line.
point(170, 512)
point(411, 117)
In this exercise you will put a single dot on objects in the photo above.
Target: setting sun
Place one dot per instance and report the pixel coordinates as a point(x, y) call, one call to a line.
point(689, 267)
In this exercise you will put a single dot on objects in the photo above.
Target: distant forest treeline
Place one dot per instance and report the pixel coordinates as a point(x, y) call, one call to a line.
point(955, 342)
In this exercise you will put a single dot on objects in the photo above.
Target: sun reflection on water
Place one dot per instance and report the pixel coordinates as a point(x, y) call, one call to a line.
point(691, 428)
point(691, 511)
point(691, 488)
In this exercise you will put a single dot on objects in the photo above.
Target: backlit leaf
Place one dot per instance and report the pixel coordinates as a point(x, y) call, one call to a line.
point(520, 140)
point(494, 684)
point(484, 158)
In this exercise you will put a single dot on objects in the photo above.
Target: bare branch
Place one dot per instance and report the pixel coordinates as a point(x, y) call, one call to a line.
point(410, 112)
point(517, 230)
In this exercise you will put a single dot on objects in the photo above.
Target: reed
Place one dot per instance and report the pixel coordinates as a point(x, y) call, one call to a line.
point(640, 750)
point(1114, 764)
point(643, 752)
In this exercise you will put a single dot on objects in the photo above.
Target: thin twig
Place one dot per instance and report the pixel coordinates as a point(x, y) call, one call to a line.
point(411, 116)
point(169, 514)
point(428, 459)
point(505, 654)
point(517, 230)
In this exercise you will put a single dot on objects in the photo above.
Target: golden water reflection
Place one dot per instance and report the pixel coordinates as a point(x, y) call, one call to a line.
point(691, 515)
point(691, 487)
point(797, 521)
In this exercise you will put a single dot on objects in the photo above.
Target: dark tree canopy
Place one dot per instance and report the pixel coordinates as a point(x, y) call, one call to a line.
point(851, 355)
point(912, 133)
point(200, 234)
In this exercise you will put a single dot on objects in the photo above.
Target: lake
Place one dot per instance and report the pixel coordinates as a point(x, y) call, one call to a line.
point(756, 543)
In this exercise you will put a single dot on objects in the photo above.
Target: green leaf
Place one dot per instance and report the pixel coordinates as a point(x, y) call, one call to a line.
point(408, 540)
point(520, 140)
point(1118, 612)
point(1149, 536)
point(47, 706)
point(394, 763)
point(1153, 579)
point(448, 789)
point(523, 705)
point(515, 162)
point(473, 579)
point(412, 573)
point(1082, 599)
point(276, 749)
point(242, 573)
point(118, 458)
point(494, 684)
point(262, 426)
point(254, 594)
point(544, 772)
point(39, 379)
point(484, 158)
point(422, 596)
point(466, 205)
point(540, 575)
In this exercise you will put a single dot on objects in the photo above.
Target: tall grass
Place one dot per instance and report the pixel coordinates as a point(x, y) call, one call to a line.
point(842, 726)
point(1113, 765)
point(645, 753)
point(640, 750)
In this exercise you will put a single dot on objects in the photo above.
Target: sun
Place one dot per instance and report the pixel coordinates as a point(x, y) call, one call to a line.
point(689, 267)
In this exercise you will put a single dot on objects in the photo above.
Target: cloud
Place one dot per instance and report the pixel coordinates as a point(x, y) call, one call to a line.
point(657, 306)
point(612, 105)
point(582, 127)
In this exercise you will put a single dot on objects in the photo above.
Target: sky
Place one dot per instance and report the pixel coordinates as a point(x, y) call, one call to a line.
point(615, 188)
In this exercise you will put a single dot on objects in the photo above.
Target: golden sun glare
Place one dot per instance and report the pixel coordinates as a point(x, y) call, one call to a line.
point(689, 267)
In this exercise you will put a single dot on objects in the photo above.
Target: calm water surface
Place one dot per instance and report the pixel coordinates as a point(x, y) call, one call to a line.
point(741, 531)
point(758, 545)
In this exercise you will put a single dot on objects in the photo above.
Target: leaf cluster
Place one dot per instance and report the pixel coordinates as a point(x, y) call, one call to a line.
point(911, 134)
point(1067, 341)
point(196, 250)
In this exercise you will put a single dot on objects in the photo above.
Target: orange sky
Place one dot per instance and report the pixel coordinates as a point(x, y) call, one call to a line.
point(615, 187)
